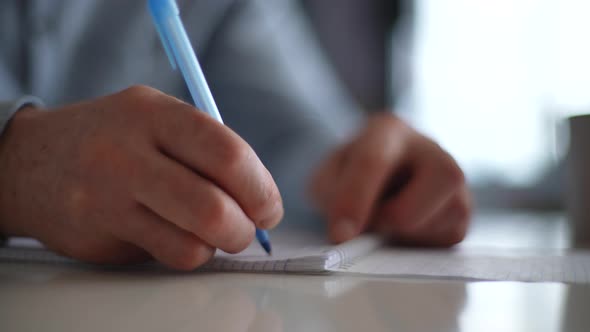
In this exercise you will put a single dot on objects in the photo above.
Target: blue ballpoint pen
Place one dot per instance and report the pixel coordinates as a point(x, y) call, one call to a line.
point(177, 45)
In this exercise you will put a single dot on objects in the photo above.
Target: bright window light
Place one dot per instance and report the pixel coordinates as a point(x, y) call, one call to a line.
point(491, 78)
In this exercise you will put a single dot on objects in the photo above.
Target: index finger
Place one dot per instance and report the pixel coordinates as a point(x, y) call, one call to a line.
point(216, 152)
point(371, 160)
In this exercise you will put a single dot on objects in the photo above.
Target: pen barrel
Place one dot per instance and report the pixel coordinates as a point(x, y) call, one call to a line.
point(175, 40)
point(186, 60)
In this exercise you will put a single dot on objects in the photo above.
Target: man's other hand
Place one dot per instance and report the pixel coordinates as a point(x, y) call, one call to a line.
point(395, 181)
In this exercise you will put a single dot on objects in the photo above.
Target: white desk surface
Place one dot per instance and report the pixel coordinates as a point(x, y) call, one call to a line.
point(38, 297)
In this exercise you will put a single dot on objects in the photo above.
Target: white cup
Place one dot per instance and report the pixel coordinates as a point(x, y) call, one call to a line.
point(578, 180)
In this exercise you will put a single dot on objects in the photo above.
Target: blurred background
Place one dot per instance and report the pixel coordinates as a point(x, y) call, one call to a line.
point(491, 80)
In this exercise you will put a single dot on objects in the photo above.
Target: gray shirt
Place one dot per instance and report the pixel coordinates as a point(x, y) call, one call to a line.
point(270, 80)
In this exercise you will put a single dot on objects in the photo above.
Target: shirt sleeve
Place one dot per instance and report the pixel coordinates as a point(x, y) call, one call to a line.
point(8, 108)
point(275, 88)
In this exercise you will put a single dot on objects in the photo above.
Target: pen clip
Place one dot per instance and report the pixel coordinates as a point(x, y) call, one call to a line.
point(165, 41)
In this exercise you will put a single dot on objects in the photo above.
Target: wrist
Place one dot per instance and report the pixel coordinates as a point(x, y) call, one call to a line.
point(15, 132)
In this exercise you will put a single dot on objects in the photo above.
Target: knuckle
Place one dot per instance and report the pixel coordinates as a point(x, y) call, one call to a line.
point(214, 216)
point(389, 122)
point(175, 186)
point(185, 121)
point(139, 92)
point(234, 154)
point(386, 117)
point(137, 102)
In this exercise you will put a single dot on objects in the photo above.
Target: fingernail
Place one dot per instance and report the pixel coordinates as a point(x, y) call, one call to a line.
point(345, 230)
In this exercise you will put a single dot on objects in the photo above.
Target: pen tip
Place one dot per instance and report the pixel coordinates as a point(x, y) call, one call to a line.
point(267, 248)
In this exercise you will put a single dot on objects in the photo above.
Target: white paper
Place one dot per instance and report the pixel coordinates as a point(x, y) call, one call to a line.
point(477, 264)
point(305, 252)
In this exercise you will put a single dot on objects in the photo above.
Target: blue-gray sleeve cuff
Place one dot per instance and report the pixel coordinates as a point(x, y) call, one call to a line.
point(8, 108)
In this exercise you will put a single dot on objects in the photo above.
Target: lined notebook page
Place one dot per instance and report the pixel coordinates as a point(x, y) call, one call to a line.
point(299, 252)
point(477, 264)
point(293, 251)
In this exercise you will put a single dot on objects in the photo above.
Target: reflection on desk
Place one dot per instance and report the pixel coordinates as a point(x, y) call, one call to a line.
point(52, 298)
point(36, 297)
